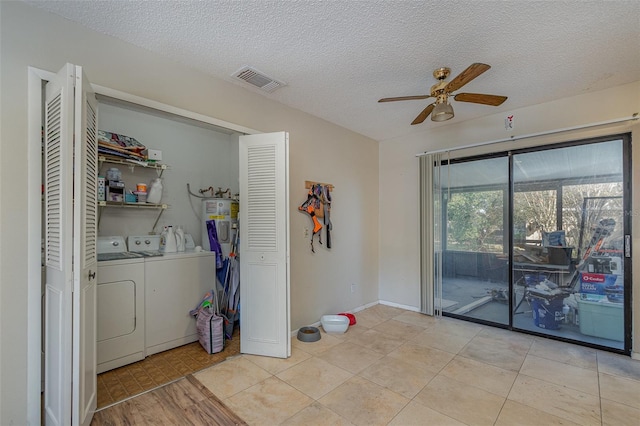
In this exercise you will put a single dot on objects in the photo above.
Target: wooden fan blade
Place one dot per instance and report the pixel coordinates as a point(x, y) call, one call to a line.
point(404, 98)
point(424, 114)
point(466, 76)
point(479, 98)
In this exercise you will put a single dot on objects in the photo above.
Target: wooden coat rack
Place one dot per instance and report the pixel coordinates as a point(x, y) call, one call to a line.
point(308, 184)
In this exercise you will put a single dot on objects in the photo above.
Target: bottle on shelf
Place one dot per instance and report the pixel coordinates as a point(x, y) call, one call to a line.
point(155, 191)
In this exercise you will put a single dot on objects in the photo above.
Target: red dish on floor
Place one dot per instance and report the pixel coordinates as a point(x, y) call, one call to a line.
point(352, 318)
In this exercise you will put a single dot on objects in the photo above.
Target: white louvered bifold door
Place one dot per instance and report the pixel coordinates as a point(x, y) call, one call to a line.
point(58, 215)
point(264, 245)
point(85, 259)
point(70, 175)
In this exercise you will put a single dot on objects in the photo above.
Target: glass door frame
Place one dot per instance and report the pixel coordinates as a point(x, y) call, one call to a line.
point(502, 187)
point(509, 240)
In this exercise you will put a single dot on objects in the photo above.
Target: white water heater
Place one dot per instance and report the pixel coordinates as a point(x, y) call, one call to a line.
point(224, 211)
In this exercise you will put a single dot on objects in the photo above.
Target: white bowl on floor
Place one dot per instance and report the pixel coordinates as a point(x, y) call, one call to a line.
point(334, 323)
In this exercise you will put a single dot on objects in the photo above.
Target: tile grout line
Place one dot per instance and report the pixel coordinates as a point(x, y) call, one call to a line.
point(108, 390)
point(514, 381)
point(599, 390)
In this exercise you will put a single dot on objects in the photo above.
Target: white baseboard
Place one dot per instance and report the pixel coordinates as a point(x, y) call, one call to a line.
point(363, 307)
point(398, 305)
point(294, 333)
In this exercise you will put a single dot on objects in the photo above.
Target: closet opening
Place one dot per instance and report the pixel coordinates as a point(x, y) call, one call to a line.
point(159, 343)
point(165, 127)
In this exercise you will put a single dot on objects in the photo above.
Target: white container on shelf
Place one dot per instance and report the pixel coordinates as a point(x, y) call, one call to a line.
point(114, 174)
point(154, 194)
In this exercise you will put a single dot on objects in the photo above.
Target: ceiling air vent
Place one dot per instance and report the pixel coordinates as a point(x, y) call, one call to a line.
point(258, 79)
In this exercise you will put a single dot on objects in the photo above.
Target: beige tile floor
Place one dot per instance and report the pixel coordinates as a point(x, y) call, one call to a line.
point(398, 367)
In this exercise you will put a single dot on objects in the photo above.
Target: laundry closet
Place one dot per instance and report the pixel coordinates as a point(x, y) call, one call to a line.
point(143, 303)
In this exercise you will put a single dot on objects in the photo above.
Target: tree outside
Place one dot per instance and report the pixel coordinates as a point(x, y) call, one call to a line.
point(475, 219)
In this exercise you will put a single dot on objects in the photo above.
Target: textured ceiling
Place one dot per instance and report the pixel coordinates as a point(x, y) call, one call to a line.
point(339, 57)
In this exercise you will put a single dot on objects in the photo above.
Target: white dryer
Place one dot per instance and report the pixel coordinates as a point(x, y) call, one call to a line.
point(120, 327)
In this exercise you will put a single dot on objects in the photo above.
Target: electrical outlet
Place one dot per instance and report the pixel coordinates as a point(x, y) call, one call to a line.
point(353, 288)
point(306, 232)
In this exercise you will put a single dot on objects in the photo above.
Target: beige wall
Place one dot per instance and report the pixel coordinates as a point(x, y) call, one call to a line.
point(319, 151)
point(399, 168)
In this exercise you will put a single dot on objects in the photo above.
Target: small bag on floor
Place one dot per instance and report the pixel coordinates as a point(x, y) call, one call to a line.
point(210, 327)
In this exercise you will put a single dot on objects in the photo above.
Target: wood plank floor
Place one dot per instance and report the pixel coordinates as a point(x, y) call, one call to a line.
point(183, 402)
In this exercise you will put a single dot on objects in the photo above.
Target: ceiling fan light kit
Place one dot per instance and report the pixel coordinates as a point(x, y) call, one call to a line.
point(441, 110)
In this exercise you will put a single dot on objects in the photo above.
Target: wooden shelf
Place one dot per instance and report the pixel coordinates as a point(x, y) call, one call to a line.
point(308, 184)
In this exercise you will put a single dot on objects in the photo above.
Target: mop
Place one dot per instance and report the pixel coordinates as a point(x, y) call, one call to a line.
point(234, 296)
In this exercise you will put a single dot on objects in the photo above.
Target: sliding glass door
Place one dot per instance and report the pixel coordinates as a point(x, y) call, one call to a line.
point(475, 261)
point(534, 240)
point(568, 245)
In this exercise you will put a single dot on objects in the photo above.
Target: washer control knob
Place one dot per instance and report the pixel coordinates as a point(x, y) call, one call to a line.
point(137, 242)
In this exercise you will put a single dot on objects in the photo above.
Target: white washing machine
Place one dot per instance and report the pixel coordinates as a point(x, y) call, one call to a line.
point(174, 284)
point(120, 328)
